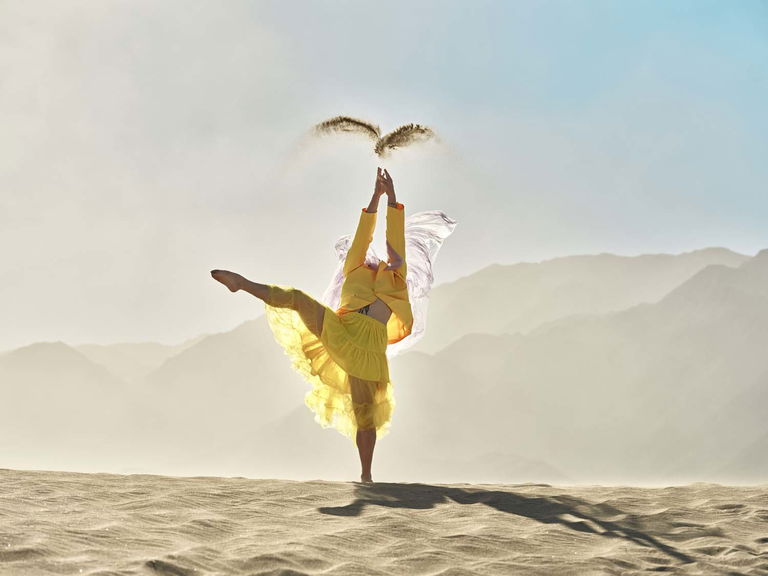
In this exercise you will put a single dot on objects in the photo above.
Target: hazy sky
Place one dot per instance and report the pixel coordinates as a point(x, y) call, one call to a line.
point(144, 143)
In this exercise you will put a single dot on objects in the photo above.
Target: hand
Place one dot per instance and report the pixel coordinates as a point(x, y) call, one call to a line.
point(379, 189)
point(384, 182)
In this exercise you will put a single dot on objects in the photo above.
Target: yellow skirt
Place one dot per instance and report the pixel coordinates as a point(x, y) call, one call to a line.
point(343, 357)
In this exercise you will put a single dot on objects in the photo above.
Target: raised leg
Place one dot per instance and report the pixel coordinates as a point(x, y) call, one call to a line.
point(312, 314)
point(311, 311)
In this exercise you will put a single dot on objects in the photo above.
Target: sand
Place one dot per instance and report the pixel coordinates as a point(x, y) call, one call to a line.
point(71, 523)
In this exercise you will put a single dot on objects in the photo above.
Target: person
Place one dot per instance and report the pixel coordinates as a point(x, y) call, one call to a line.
point(342, 351)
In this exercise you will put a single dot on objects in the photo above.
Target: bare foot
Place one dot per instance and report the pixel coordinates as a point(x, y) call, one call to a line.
point(366, 479)
point(231, 280)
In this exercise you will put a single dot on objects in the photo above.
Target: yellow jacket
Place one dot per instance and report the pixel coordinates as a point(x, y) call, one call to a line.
point(362, 285)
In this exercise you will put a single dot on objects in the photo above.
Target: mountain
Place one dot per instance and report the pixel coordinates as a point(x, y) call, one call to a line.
point(670, 390)
point(519, 297)
point(220, 391)
point(132, 361)
point(59, 407)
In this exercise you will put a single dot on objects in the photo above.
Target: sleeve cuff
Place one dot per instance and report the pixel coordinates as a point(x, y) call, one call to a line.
point(400, 206)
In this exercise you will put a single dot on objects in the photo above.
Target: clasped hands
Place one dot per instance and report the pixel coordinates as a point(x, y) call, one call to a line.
point(384, 185)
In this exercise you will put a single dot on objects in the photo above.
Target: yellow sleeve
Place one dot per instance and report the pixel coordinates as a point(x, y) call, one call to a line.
point(396, 237)
point(361, 241)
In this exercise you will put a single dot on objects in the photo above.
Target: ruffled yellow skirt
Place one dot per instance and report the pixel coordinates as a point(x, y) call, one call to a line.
point(343, 357)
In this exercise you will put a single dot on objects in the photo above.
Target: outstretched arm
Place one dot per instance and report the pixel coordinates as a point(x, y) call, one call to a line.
point(374, 203)
point(395, 228)
point(363, 234)
point(396, 238)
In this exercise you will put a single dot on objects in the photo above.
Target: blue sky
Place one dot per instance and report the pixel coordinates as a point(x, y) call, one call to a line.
point(146, 143)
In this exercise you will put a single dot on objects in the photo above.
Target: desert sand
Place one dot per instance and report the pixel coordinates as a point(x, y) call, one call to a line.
point(73, 523)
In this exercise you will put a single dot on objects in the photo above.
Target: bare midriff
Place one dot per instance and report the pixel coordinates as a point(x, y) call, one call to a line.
point(378, 310)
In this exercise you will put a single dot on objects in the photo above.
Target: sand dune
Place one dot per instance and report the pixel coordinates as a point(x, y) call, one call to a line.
point(68, 523)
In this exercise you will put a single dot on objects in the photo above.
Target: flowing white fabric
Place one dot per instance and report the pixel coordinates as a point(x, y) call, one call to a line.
point(424, 235)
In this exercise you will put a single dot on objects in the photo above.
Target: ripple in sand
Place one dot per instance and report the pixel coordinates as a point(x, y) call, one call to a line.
point(65, 523)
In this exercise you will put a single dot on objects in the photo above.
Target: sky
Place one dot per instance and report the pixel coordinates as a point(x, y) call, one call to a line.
point(145, 143)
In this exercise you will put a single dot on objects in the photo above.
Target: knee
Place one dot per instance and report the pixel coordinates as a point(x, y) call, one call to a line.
point(278, 296)
point(364, 421)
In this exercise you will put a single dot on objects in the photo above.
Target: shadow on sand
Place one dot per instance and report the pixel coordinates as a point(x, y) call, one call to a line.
point(588, 517)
